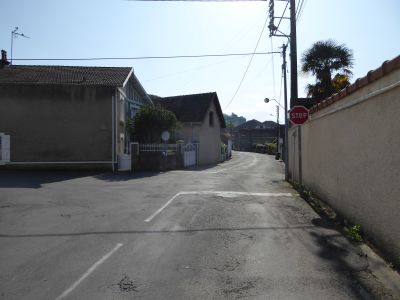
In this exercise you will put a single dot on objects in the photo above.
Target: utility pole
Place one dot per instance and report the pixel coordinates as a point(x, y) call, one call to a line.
point(293, 55)
point(286, 154)
point(292, 39)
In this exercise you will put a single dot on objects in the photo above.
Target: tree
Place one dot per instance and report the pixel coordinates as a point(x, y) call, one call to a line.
point(151, 121)
point(233, 120)
point(322, 60)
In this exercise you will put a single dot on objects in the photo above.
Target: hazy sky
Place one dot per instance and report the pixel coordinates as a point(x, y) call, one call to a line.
point(114, 28)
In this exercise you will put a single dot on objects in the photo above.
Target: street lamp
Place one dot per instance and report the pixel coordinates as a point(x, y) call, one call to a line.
point(277, 155)
point(266, 100)
point(285, 154)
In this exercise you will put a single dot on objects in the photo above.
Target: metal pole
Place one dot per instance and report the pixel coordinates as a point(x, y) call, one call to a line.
point(286, 154)
point(12, 38)
point(300, 162)
point(277, 130)
point(293, 55)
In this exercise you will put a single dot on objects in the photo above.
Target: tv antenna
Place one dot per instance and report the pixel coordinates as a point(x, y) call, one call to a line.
point(15, 34)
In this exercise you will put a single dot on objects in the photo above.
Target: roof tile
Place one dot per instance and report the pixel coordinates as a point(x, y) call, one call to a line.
point(60, 75)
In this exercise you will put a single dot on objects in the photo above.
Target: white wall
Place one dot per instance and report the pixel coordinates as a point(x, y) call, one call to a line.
point(351, 159)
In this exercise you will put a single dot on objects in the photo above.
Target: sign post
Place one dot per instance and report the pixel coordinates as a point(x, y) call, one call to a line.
point(298, 115)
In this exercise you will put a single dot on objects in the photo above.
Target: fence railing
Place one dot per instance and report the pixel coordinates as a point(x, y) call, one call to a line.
point(157, 147)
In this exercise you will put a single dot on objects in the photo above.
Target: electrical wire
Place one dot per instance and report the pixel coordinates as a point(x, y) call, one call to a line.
point(198, 0)
point(144, 57)
point(204, 66)
point(301, 9)
point(248, 66)
point(281, 17)
point(273, 68)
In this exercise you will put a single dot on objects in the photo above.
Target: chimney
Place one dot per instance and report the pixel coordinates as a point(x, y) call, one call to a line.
point(4, 61)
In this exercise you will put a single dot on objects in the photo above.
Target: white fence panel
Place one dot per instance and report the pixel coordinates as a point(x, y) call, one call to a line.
point(190, 155)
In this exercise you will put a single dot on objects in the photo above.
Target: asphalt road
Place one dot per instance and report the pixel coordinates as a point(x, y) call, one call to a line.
point(236, 230)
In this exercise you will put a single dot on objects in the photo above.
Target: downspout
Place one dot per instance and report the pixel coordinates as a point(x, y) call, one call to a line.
point(113, 130)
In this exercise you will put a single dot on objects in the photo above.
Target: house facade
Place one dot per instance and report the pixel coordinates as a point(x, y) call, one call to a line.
point(67, 117)
point(253, 132)
point(202, 120)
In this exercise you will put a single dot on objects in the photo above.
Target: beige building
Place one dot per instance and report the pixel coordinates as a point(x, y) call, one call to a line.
point(66, 117)
point(351, 155)
point(202, 119)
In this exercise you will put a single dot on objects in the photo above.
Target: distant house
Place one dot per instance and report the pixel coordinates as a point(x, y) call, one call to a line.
point(202, 120)
point(67, 117)
point(253, 132)
point(252, 124)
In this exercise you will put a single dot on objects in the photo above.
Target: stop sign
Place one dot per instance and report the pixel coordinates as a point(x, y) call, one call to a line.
point(298, 115)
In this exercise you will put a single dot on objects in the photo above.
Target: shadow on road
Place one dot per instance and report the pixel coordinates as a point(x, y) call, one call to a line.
point(35, 179)
point(125, 176)
point(345, 256)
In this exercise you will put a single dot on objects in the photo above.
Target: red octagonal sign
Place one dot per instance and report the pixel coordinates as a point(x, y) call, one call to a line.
point(298, 115)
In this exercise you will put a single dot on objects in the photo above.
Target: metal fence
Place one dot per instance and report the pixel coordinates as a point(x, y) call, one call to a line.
point(157, 147)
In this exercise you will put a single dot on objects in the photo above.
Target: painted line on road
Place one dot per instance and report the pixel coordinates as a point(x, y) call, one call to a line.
point(218, 193)
point(88, 272)
point(162, 207)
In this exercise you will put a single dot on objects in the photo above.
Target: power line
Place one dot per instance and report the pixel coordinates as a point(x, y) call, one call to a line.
point(198, 0)
point(273, 69)
point(300, 10)
point(145, 57)
point(248, 66)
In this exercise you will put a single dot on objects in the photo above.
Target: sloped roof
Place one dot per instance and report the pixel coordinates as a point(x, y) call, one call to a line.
point(269, 124)
point(191, 108)
point(249, 124)
point(60, 75)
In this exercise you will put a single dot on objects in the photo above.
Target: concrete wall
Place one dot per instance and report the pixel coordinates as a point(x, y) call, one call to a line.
point(351, 159)
point(57, 123)
point(190, 132)
point(210, 139)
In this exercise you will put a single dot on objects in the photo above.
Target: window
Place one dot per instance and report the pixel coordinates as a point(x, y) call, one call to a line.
point(211, 119)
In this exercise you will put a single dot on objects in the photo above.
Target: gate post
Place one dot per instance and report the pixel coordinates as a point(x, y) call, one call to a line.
point(134, 156)
point(179, 155)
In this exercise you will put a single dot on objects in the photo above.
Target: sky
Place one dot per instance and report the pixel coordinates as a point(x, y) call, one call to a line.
point(119, 28)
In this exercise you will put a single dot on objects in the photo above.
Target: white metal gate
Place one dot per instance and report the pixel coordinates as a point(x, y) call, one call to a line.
point(190, 155)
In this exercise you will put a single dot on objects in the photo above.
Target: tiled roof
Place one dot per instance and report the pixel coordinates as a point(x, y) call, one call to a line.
point(191, 108)
point(373, 75)
point(249, 125)
point(60, 75)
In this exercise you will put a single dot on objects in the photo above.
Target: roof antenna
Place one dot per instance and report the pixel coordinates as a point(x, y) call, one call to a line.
point(14, 35)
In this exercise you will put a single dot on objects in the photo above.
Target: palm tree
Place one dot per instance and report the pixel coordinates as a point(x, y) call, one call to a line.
point(322, 60)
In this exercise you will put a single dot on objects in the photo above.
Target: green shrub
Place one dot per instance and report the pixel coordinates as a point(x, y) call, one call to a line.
point(150, 122)
point(354, 233)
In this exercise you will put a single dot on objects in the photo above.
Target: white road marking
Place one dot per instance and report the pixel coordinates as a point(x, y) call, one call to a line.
point(161, 208)
point(227, 194)
point(88, 272)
